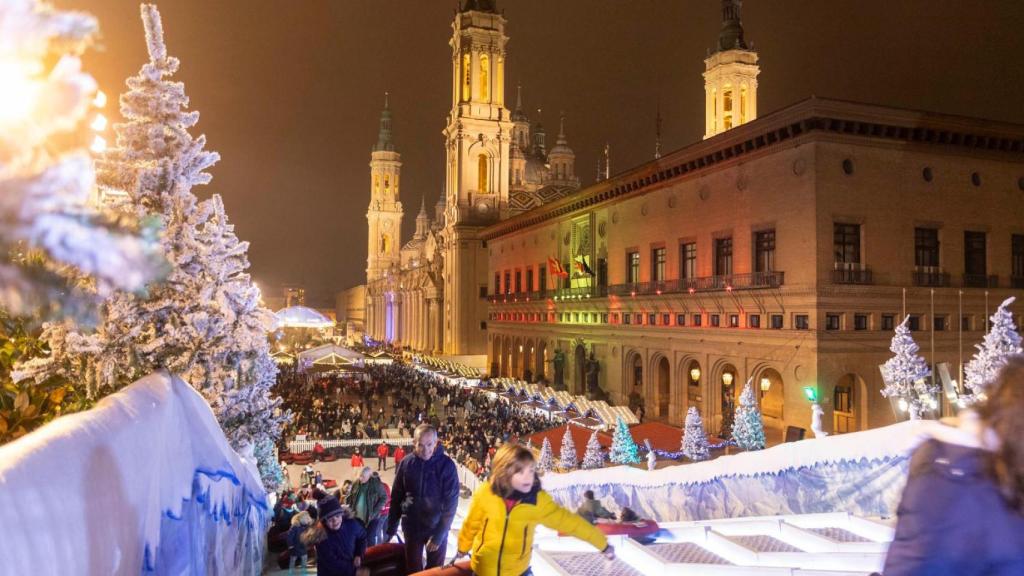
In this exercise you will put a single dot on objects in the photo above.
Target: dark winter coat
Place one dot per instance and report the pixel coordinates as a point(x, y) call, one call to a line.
point(374, 499)
point(426, 492)
point(336, 551)
point(952, 519)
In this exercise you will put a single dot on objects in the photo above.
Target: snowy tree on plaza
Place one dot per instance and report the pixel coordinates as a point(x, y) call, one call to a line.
point(1001, 342)
point(51, 235)
point(905, 373)
point(624, 449)
point(546, 461)
point(748, 428)
point(593, 457)
point(695, 440)
point(205, 323)
point(567, 454)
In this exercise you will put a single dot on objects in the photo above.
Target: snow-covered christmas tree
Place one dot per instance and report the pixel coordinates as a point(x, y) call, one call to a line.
point(1001, 342)
point(206, 323)
point(593, 457)
point(624, 449)
point(546, 461)
point(695, 440)
point(567, 454)
point(905, 374)
point(748, 429)
point(51, 236)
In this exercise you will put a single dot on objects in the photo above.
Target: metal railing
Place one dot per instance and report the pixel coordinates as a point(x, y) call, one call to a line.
point(852, 276)
point(980, 281)
point(930, 278)
point(751, 281)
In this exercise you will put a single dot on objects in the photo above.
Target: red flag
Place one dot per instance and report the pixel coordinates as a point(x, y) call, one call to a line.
point(555, 267)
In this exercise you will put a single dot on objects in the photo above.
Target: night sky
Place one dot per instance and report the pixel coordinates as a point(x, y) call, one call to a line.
point(290, 92)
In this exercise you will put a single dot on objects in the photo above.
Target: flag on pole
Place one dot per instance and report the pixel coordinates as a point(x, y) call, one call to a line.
point(581, 265)
point(555, 267)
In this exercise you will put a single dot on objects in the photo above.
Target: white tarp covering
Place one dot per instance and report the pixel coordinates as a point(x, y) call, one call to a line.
point(145, 482)
point(860, 473)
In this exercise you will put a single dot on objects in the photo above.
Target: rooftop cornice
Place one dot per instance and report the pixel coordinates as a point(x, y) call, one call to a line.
point(813, 116)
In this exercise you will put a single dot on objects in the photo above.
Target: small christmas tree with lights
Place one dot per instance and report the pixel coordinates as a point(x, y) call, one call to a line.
point(546, 461)
point(905, 373)
point(748, 429)
point(593, 457)
point(1001, 342)
point(624, 449)
point(695, 440)
point(567, 456)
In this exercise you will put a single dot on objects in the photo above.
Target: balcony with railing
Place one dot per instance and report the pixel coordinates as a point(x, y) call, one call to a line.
point(848, 273)
point(930, 278)
point(980, 281)
point(754, 280)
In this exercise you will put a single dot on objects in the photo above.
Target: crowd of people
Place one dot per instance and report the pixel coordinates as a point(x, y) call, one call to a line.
point(398, 397)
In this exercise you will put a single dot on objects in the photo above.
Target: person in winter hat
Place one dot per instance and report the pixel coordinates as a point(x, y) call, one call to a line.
point(296, 548)
point(962, 511)
point(340, 542)
point(505, 511)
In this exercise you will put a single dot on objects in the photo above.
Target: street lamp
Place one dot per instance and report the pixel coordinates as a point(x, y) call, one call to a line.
point(695, 374)
point(766, 383)
point(727, 378)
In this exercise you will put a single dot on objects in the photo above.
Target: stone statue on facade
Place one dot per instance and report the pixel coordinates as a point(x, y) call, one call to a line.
point(558, 361)
point(593, 368)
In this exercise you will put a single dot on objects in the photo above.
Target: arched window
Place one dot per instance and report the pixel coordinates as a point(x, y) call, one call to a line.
point(482, 167)
point(727, 111)
point(466, 77)
point(743, 104)
point(485, 77)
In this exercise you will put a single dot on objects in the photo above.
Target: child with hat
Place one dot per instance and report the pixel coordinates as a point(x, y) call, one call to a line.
point(340, 541)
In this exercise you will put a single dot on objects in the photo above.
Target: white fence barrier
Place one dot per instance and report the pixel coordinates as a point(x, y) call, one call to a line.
point(296, 446)
point(468, 478)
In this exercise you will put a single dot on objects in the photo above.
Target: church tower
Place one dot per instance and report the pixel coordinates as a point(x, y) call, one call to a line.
point(478, 139)
point(730, 77)
point(384, 216)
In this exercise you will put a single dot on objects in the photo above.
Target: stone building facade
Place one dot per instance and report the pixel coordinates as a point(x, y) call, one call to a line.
point(784, 250)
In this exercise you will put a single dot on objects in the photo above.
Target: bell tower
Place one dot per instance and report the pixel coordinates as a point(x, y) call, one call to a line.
point(384, 215)
point(730, 77)
point(478, 139)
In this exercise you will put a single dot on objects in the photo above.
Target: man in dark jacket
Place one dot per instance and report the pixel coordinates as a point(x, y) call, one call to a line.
point(426, 494)
point(366, 500)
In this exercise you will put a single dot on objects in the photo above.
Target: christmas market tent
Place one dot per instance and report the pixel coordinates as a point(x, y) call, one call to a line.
point(332, 356)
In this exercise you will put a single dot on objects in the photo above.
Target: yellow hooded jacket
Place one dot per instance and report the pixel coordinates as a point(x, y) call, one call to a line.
point(501, 540)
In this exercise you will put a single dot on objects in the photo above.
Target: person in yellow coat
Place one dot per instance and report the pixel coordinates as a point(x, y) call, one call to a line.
point(498, 530)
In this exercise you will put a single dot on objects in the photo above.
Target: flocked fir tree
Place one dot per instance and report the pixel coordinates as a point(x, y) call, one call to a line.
point(58, 253)
point(546, 460)
point(205, 323)
point(748, 428)
point(905, 374)
point(695, 440)
point(567, 459)
point(624, 449)
point(1001, 342)
point(593, 457)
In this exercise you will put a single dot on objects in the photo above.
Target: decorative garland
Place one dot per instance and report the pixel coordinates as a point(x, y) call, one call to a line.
point(679, 455)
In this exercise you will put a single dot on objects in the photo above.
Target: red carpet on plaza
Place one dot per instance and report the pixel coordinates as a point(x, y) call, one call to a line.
point(662, 437)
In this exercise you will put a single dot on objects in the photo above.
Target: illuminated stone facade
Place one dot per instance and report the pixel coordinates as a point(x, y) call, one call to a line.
point(783, 249)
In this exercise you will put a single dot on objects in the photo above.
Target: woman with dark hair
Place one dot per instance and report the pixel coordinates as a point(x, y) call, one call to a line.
point(499, 526)
point(962, 512)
